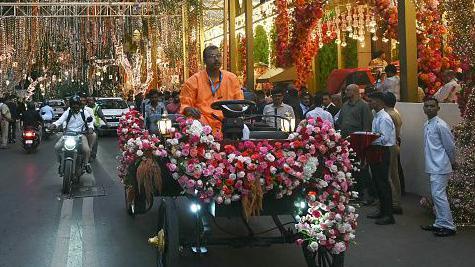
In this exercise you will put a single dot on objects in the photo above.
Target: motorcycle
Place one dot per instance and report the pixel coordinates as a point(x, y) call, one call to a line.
point(72, 160)
point(47, 132)
point(30, 139)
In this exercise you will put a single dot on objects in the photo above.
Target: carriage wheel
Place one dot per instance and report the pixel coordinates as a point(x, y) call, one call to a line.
point(323, 258)
point(167, 240)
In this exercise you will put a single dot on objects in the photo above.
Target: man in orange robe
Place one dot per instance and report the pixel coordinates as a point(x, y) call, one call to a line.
point(208, 86)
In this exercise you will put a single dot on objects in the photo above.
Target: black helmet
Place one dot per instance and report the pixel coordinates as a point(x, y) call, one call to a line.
point(74, 100)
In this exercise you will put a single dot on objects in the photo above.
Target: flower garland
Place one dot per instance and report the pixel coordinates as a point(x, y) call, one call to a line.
point(282, 22)
point(389, 18)
point(306, 17)
point(315, 157)
point(138, 148)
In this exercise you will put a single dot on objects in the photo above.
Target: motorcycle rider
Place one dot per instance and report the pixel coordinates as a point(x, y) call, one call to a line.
point(91, 138)
point(31, 118)
point(98, 116)
point(47, 112)
point(76, 119)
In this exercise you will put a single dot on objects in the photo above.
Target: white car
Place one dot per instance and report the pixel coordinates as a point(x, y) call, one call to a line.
point(59, 107)
point(113, 108)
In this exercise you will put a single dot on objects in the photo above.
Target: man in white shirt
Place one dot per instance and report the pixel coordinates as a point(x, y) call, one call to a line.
point(439, 148)
point(391, 83)
point(47, 112)
point(76, 122)
point(448, 92)
point(277, 108)
point(384, 126)
point(5, 119)
point(318, 111)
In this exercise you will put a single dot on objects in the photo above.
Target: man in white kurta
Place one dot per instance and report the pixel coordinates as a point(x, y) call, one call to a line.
point(439, 148)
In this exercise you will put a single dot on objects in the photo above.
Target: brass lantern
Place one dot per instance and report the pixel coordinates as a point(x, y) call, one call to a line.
point(287, 125)
point(164, 124)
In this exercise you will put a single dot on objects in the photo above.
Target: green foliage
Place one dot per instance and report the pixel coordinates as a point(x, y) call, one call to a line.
point(261, 45)
point(350, 54)
point(273, 45)
point(327, 62)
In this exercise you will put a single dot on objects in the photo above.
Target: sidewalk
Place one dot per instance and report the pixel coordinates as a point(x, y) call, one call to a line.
point(404, 244)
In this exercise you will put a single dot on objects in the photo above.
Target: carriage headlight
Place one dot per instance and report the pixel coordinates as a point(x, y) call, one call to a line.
point(70, 143)
point(300, 204)
point(195, 207)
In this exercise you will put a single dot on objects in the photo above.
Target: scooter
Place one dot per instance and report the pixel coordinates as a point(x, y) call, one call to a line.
point(30, 139)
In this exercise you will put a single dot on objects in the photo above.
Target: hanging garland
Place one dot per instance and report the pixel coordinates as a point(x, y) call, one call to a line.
point(282, 22)
point(303, 45)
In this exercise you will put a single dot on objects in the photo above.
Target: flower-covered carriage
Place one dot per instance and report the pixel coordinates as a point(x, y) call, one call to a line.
point(306, 175)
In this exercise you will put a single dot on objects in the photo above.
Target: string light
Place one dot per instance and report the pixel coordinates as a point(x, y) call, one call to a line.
point(460, 16)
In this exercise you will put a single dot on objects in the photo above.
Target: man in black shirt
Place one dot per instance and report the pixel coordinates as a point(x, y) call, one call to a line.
point(12, 126)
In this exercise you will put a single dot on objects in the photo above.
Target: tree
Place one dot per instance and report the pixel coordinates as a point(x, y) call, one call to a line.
point(261, 45)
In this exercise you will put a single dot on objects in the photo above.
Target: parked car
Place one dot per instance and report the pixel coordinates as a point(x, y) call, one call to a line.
point(113, 108)
point(340, 78)
point(59, 107)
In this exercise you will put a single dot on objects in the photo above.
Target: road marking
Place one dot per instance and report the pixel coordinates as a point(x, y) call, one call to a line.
point(89, 233)
point(63, 235)
point(75, 252)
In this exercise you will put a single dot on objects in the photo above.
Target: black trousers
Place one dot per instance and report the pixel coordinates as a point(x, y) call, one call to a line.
point(364, 184)
point(12, 131)
point(380, 172)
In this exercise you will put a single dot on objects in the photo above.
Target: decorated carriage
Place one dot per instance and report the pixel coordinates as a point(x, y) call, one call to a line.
point(200, 175)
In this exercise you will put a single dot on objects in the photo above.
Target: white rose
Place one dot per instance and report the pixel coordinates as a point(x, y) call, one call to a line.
point(139, 153)
point(313, 246)
point(273, 170)
point(333, 168)
point(270, 157)
point(208, 155)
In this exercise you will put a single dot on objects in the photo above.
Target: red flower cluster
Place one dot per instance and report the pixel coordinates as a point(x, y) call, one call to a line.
point(282, 22)
point(389, 17)
point(303, 47)
point(432, 61)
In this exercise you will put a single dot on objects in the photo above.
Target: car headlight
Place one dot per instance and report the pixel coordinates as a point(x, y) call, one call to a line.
point(70, 143)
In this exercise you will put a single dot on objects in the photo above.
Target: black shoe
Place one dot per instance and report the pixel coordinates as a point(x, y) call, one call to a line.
point(444, 232)
point(397, 210)
point(375, 215)
point(88, 168)
point(430, 228)
point(385, 220)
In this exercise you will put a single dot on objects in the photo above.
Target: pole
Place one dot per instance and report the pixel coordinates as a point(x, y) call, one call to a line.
point(225, 35)
point(202, 33)
point(232, 37)
point(408, 50)
point(249, 45)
